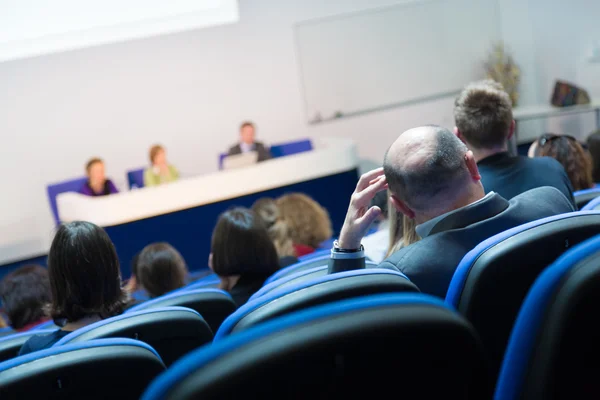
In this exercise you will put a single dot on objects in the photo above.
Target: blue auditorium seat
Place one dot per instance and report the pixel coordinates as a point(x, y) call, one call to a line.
point(300, 266)
point(316, 291)
point(592, 205)
point(582, 197)
point(554, 349)
point(135, 178)
point(171, 331)
point(45, 325)
point(72, 185)
point(209, 281)
point(317, 253)
point(98, 369)
point(11, 344)
point(492, 280)
point(372, 347)
point(213, 305)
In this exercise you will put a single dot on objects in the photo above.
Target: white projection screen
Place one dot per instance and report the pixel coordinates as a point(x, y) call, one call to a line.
point(36, 27)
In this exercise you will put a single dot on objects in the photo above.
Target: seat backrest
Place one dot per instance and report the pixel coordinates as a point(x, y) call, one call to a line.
point(171, 331)
point(287, 149)
point(554, 350)
point(582, 197)
point(11, 344)
point(45, 325)
point(316, 254)
point(209, 281)
point(300, 266)
point(213, 305)
point(367, 347)
point(73, 185)
point(98, 369)
point(492, 280)
point(594, 204)
point(316, 291)
point(135, 178)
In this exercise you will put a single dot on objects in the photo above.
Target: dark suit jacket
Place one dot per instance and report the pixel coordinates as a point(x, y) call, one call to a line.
point(431, 262)
point(263, 152)
point(510, 176)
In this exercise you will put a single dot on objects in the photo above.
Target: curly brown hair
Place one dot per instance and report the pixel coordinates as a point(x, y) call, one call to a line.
point(569, 152)
point(308, 222)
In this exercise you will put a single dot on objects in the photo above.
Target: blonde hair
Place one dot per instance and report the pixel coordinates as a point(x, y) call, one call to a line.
point(402, 231)
point(266, 209)
point(308, 222)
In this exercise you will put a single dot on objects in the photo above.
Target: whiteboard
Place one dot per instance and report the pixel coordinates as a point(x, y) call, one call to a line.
point(392, 56)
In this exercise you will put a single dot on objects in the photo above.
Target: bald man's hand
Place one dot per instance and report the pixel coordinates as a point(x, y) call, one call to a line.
point(360, 216)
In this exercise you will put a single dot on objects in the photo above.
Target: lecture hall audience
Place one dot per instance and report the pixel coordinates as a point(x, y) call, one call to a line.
point(266, 208)
point(24, 293)
point(160, 269)
point(571, 155)
point(85, 282)
point(308, 222)
point(434, 180)
point(97, 183)
point(160, 171)
point(242, 253)
point(484, 121)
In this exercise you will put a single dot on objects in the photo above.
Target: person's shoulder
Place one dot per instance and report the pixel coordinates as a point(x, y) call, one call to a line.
point(543, 162)
point(545, 197)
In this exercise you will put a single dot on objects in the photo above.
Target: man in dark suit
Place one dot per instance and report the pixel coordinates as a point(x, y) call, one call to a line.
point(247, 143)
point(433, 179)
point(484, 122)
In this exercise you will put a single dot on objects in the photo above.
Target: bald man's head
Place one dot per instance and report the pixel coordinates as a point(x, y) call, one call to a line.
point(426, 167)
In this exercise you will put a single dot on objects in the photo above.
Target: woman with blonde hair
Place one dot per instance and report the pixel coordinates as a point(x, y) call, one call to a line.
point(308, 222)
point(160, 171)
point(266, 209)
point(402, 231)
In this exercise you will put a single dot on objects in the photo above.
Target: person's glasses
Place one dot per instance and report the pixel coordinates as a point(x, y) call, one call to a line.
point(544, 139)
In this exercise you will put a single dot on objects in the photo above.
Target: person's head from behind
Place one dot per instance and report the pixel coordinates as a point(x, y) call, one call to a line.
point(483, 116)
point(160, 269)
point(247, 132)
point(95, 171)
point(573, 157)
point(308, 222)
point(266, 209)
point(241, 246)
point(430, 172)
point(25, 293)
point(158, 156)
point(85, 279)
point(593, 144)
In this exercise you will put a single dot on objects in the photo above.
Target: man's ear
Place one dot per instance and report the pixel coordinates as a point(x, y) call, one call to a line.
point(401, 207)
point(511, 130)
point(458, 134)
point(472, 166)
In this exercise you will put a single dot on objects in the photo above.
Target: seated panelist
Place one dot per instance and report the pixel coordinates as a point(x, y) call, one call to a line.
point(248, 144)
point(160, 171)
point(97, 184)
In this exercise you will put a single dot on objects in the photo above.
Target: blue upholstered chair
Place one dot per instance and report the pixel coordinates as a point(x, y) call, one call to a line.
point(582, 197)
point(492, 280)
point(171, 331)
point(316, 291)
point(409, 345)
point(594, 204)
point(300, 266)
point(98, 369)
point(554, 350)
point(11, 344)
point(213, 305)
point(45, 325)
point(135, 178)
point(209, 281)
point(73, 185)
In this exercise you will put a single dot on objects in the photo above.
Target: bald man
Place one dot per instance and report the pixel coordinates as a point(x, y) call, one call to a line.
point(433, 179)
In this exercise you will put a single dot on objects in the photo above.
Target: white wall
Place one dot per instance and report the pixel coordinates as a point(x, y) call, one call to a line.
point(190, 91)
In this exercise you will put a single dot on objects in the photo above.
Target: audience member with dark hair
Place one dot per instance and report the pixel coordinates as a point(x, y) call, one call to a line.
point(308, 222)
point(243, 255)
point(160, 269)
point(434, 180)
point(593, 145)
point(97, 183)
point(25, 293)
point(85, 281)
point(484, 121)
point(266, 209)
point(248, 143)
point(571, 155)
point(160, 171)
